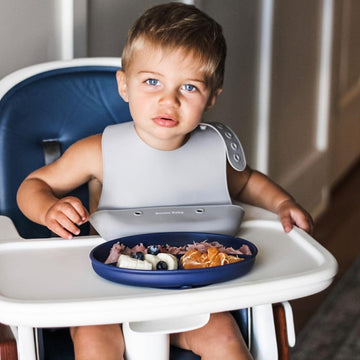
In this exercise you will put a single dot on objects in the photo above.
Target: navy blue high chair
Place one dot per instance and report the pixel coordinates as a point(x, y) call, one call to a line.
point(43, 110)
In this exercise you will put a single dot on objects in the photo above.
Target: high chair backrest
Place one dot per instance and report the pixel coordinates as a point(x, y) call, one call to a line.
point(43, 110)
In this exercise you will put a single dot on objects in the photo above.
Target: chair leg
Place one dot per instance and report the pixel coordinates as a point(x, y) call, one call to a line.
point(281, 332)
point(8, 349)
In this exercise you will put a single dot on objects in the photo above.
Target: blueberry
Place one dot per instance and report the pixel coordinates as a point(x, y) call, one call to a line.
point(139, 255)
point(161, 265)
point(153, 250)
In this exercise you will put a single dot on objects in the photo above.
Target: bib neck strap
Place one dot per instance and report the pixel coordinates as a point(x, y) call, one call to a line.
point(234, 150)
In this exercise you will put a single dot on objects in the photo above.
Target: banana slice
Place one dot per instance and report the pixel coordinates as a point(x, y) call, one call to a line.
point(124, 261)
point(171, 260)
point(143, 265)
point(128, 262)
point(153, 259)
point(149, 263)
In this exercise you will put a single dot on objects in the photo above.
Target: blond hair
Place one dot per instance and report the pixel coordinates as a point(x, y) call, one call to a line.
point(176, 25)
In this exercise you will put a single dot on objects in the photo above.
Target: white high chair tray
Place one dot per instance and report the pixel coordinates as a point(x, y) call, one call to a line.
point(50, 282)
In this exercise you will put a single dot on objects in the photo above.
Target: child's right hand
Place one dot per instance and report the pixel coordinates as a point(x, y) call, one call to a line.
point(65, 215)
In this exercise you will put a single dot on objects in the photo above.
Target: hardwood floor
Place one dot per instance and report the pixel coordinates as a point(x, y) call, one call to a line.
point(338, 230)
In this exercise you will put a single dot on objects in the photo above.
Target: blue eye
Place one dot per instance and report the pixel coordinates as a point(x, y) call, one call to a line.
point(152, 82)
point(189, 87)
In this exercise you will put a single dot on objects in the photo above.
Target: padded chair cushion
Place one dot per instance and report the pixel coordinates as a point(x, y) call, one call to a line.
point(64, 105)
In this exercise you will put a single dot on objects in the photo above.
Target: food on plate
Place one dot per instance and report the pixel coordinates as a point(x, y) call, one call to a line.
point(170, 260)
point(162, 257)
point(195, 259)
point(125, 261)
point(153, 249)
point(162, 265)
point(202, 246)
point(152, 259)
point(160, 261)
point(139, 255)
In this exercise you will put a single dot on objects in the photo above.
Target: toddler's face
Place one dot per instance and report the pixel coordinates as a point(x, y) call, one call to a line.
point(167, 95)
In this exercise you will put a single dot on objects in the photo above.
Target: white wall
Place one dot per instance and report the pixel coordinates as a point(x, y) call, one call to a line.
point(295, 159)
point(345, 125)
point(31, 32)
point(28, 33)
point(109, 22)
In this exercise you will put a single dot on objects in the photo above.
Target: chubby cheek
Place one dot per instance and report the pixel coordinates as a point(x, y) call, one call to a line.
point(139, 106)
point(196, 112)
point(137, 112)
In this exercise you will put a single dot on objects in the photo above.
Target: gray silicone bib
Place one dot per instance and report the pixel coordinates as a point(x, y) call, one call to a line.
point(149, 190)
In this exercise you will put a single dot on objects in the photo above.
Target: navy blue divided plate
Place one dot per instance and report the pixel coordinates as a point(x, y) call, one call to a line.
point(172, 278)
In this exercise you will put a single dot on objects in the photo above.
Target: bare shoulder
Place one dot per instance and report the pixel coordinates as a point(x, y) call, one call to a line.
point(88, 144)
point(85, 148)
point(85, 155)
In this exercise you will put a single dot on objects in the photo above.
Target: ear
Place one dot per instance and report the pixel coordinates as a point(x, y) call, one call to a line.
point(212, 99)
point(122, 87)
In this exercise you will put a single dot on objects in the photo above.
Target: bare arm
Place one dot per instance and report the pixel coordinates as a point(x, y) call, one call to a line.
point(42, 195)
point(255, 188)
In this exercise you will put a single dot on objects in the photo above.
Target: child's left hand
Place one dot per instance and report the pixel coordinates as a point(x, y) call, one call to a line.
point(290, 214)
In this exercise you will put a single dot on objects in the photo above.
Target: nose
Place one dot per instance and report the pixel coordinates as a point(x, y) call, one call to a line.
point(169, 98)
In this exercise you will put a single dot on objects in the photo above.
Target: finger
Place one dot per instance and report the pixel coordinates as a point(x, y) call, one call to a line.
point(68, 225)
point(77, 205)
point(311, 225)
point(307, 225)
point(81, 210)
point(286, 223)
point(63, 226)
point(71, 213)
point(59, 230)
point(304, 222)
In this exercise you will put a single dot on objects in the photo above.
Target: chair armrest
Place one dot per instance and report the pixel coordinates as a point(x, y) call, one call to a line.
point(8, 231)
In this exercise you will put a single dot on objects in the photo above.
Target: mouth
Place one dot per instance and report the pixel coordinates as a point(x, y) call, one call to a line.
point(165, 121)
